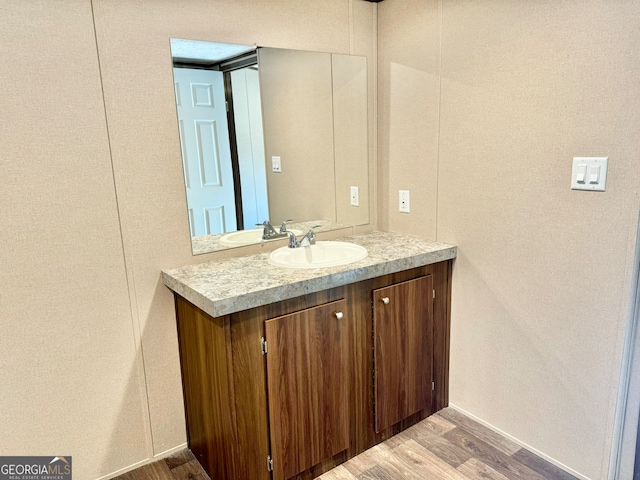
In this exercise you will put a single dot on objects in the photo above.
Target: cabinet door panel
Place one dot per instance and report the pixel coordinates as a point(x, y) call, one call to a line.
point(307, 363)
point(403, 333)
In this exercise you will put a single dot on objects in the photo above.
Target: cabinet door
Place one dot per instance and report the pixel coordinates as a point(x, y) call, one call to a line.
point(307, 363)
point(403, 335)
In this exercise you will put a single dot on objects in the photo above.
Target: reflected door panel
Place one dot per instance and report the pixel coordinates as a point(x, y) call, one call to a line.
point(206, 153)
point(247, 110)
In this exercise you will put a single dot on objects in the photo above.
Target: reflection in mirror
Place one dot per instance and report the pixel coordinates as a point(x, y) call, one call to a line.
point(239, 107)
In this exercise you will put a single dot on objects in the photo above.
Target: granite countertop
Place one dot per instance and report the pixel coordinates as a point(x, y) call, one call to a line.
point(227, 286)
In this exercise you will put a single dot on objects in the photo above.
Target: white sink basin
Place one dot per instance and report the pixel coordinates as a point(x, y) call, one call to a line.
point(320, 255)
point(247, 237)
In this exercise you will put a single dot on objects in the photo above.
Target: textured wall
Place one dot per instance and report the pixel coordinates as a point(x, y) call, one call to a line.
point(351, 137)
point(408, 109)
point(93, 207)
point(295, 89)
point(70, 372)
point(541, 283)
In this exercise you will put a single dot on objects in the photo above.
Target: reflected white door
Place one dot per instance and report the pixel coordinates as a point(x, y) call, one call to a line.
point(206, 153)
point(247, 110)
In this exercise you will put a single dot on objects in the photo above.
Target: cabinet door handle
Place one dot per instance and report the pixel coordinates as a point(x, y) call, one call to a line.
point(338, 315)
point(385, 300)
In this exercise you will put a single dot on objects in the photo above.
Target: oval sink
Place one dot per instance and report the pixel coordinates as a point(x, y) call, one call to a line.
point(248, 237)
point(320, 255)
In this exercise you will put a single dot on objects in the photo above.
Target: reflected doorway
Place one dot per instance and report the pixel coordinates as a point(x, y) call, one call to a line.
point(221, 134)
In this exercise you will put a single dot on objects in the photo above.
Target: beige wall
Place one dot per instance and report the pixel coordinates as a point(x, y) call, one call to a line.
point(297, 115)
point(350, 137)
point(71, 380)
point(315, 116)
point(541, 283)
point(408, 113)
point(93, 208)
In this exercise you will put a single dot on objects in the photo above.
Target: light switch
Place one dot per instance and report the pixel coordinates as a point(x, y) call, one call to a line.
point(582, 173)
point(589, 173)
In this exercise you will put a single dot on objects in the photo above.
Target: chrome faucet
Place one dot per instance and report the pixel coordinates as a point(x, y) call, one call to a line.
point(269, 233)
point(283, 227)
point(310, 237)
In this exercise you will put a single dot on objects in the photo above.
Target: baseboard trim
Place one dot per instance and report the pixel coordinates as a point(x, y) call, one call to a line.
point(169, 452)
point(142, 463)
point(521, 443)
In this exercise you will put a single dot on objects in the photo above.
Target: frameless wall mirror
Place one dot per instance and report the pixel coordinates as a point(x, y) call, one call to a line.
point(269, 134)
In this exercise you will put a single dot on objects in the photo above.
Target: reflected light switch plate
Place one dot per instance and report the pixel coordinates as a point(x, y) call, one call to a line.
point(589, 173)
point(276, 166)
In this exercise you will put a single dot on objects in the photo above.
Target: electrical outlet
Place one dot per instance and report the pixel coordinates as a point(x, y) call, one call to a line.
point(355, 196)
point(404, 201)
point(276, 166)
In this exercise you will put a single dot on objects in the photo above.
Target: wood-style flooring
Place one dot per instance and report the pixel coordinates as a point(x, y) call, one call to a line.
point(448, 446)
point(181, 466)
point(445, 446)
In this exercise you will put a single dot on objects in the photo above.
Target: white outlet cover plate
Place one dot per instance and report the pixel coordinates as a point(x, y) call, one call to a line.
point(587, 165)
point(276, 166)
point(404, 201)
point(355, 197)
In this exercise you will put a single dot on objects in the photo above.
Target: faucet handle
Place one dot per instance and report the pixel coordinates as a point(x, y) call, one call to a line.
point(283, 227)
point(267, 229)
point(293, 241)
point(310, 236)
point(311, 232)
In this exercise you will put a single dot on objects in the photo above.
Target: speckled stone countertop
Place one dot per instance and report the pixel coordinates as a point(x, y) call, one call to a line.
point(234, 284)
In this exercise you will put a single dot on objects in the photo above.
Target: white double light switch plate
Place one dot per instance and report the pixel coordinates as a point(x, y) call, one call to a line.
point(589, 173)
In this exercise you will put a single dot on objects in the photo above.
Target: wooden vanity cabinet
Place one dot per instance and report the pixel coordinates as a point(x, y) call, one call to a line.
point(403, 350)
point(307, 371)
point(310, 403)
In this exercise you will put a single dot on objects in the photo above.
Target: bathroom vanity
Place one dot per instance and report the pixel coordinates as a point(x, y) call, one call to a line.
point(288, 373)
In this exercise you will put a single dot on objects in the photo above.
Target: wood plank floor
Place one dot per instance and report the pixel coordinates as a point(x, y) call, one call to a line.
point(181, 466)
point(445, 446)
